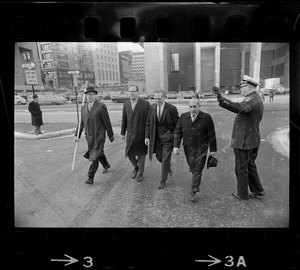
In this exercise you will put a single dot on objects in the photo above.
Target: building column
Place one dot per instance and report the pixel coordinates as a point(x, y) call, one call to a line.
point(197, 64)
point(163, 71)
point(217, 64)
point(255, 58)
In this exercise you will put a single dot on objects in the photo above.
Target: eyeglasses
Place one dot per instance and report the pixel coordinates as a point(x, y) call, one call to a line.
point(193, 106)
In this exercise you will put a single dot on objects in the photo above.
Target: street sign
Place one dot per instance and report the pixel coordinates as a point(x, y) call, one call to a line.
point(31, 77)
point(76, 72)
point(29, 66)
point(75, 81)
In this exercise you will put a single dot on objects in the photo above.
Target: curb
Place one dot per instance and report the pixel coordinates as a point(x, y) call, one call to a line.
point(49, 135)
point(25, 136)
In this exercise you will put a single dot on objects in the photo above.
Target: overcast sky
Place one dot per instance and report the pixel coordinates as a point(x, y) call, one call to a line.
point(129, 46)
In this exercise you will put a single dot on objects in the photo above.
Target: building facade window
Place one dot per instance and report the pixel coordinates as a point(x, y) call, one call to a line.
point(175, 62)
point(61, 47)
point(88, 76)
point(45, 47)
point(26, 56)
point(47, 55)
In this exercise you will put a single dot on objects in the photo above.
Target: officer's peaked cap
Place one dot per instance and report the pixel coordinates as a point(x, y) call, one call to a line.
point(249, 80)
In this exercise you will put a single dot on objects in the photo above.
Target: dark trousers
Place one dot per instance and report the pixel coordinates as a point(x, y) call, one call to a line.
point(197, 174)
point(37, 130)
point(246, 172)
point(163, 154)
point(138, 162)
point(95, 164)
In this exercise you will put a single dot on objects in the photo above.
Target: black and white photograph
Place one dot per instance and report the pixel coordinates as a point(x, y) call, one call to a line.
point(151, 135)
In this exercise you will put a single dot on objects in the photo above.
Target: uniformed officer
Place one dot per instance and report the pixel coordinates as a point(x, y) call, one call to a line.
point(245, 137)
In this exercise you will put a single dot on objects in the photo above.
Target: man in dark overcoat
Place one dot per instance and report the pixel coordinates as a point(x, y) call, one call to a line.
point(36, 114)
point(160, 128)
point(197, 131)
point(134, 117)
point(245, 137)
point(96, 122)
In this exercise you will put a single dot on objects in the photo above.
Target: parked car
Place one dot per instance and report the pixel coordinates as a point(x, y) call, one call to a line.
point(79, 98)
point(20, 100)
point(52, 100)
point(188, 94)
point(121, 98)
point(172, 95)
point(143, 95)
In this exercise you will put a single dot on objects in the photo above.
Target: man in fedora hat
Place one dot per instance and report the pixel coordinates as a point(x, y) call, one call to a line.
point(196, 129)
point(95, 120)
point(245, 137)
point(36, 114)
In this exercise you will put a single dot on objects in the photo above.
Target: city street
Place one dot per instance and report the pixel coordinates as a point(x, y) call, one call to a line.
point(49, 194)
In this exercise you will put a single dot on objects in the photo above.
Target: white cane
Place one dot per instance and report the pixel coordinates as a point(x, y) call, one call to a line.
point(77, 135)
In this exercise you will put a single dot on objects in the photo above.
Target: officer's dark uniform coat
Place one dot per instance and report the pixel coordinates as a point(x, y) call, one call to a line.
point(245, 133)
point(96, 124)
point(36, 113)
point(134, 123)
point(196, 137)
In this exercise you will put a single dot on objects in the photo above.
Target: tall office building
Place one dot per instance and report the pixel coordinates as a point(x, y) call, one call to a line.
point(106, 63)
point(200, 66)
point(125, 60)
point(57, 58)
point(137, 64)
point(27, 53)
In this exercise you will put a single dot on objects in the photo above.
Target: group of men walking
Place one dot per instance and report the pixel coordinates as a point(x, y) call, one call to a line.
point(158, 129)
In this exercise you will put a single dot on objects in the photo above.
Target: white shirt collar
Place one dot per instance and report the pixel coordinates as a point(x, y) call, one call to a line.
point(161, 107)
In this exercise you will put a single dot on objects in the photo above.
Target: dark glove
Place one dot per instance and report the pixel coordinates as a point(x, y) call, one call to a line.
point(111, 138)
point(217, 93)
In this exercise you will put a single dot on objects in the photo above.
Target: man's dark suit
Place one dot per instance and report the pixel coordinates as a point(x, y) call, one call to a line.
point(198, 137)
point(161, 135)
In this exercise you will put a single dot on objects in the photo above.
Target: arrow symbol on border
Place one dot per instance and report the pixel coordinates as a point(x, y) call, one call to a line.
point(70, 260)
point(214, 261)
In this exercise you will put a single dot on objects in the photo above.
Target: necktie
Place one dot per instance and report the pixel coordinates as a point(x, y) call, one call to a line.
point(159, 113)
point(90, 106)
point(193, 117)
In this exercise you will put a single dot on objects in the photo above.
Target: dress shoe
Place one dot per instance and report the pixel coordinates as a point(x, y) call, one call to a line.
point(193, 197)
point(106, 169)
point(161, 185)
point(90, 181)
point(140, 178)
point(134, 173)
point(257, 195)
point(238, 197)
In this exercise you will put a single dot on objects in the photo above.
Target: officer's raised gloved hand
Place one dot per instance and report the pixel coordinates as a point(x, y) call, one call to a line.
point(217, 93)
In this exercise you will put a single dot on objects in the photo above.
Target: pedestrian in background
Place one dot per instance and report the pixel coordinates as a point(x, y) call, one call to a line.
point(95, 120)
point(160, 128)
point(272, 93)
point(197, 131)
point(245, 137)
point(36, 114)
point(134, 117)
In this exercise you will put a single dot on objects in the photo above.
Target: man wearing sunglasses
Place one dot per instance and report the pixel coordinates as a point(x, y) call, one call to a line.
point(197, 131)
point(245, 137)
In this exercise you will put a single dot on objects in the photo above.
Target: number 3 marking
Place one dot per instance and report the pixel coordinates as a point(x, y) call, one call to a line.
point(89, 261)
point(230, 260)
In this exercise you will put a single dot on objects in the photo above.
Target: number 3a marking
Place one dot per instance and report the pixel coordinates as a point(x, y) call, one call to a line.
point(89, 261)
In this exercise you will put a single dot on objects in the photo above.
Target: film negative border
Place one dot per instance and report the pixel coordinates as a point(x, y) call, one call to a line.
point(151, 22)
